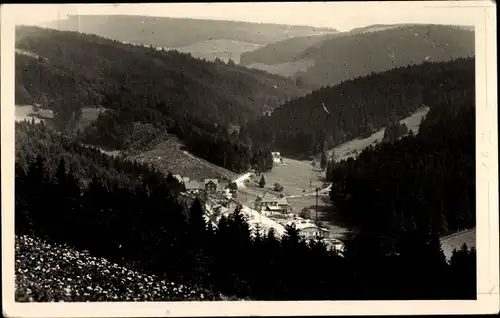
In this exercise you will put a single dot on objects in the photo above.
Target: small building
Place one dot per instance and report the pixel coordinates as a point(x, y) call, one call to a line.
point(272, 204)
point(211, 185)
point(276, 157)
point(193, 187)
point(307, 228)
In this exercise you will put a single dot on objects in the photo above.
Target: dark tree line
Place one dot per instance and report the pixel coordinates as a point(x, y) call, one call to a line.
point(130, 214)
point(33, 140)
point(417, 182)
point(358, 107)
point(144, 226)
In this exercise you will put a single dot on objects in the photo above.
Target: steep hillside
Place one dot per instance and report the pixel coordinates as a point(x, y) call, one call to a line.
point(343, 56)
point(359, 107)
point(178, 32)
point(283, 51)
point(226, 93)
point(40, 264)
point(146, 92)
point(424, 181)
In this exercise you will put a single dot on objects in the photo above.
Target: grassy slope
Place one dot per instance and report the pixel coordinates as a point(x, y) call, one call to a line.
point(151, 30)
point(220, 48)
point(356, 146)
point(51, 272)
point(169, 157)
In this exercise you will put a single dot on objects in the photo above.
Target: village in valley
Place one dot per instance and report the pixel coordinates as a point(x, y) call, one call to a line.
point(264, 208)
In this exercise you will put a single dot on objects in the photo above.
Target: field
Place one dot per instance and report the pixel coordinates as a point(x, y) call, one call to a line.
point(222, 49)
point(350, 148)
point(288, 69)
point(28, 112)
point(168, 157)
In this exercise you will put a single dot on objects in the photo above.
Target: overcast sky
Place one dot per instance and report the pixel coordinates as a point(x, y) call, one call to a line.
point(341, 16)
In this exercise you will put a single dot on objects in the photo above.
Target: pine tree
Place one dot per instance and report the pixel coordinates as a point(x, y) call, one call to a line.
point(262, 182)
point(324, 160)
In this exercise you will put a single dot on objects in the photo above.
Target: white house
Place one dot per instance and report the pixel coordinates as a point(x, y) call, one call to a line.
point(307, 228)
point(271, 204)
point(277, 159)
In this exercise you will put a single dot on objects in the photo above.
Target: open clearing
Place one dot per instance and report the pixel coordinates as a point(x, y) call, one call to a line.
point(284, 69)
point(350, 148)
point(168, 157)
point(28, 112)
point(220, 48)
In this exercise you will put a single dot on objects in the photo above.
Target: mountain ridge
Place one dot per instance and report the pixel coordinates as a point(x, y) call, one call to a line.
point(346, 55)
point(185, 31)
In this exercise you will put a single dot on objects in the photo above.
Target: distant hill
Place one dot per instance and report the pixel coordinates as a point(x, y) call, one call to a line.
point(361, 51)
point(182, 32)
point(220, 48)
point(147, 93)
point(91, 66)
point(283, 51)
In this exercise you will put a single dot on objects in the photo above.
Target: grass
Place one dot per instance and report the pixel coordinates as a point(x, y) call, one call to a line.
point(50, 272)
point(284, 69)
point(28, 112)
point(354, 147)
point(168, 157)
point(455, 241)
point(218, 48)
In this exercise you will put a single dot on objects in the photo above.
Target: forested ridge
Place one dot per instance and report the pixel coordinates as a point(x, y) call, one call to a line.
point(420, 182)
point(348, 55)
point(181, 31)
point(164, 91)
point(139, 223)
point(359, 107)
point(283, 51)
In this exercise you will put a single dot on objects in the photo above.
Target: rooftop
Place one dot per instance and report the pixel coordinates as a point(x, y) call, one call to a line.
point(267, 197)
point(193, 185)
point(216, 181)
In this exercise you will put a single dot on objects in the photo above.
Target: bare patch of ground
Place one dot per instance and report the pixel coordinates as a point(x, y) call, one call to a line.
point(354, 147)
point(284, 69)
point(30, 112)
point(168, 157)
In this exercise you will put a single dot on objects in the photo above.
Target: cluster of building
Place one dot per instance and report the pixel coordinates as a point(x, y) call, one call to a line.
point(209, 186)
point(269, 211)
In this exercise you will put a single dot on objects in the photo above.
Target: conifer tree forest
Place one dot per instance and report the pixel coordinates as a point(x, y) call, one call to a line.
point(397, 198)
point(358, 107)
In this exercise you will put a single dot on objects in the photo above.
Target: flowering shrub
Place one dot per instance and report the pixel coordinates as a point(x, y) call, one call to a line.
point(49, 272)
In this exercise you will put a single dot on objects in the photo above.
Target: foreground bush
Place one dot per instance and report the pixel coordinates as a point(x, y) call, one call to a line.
point(50, 272)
